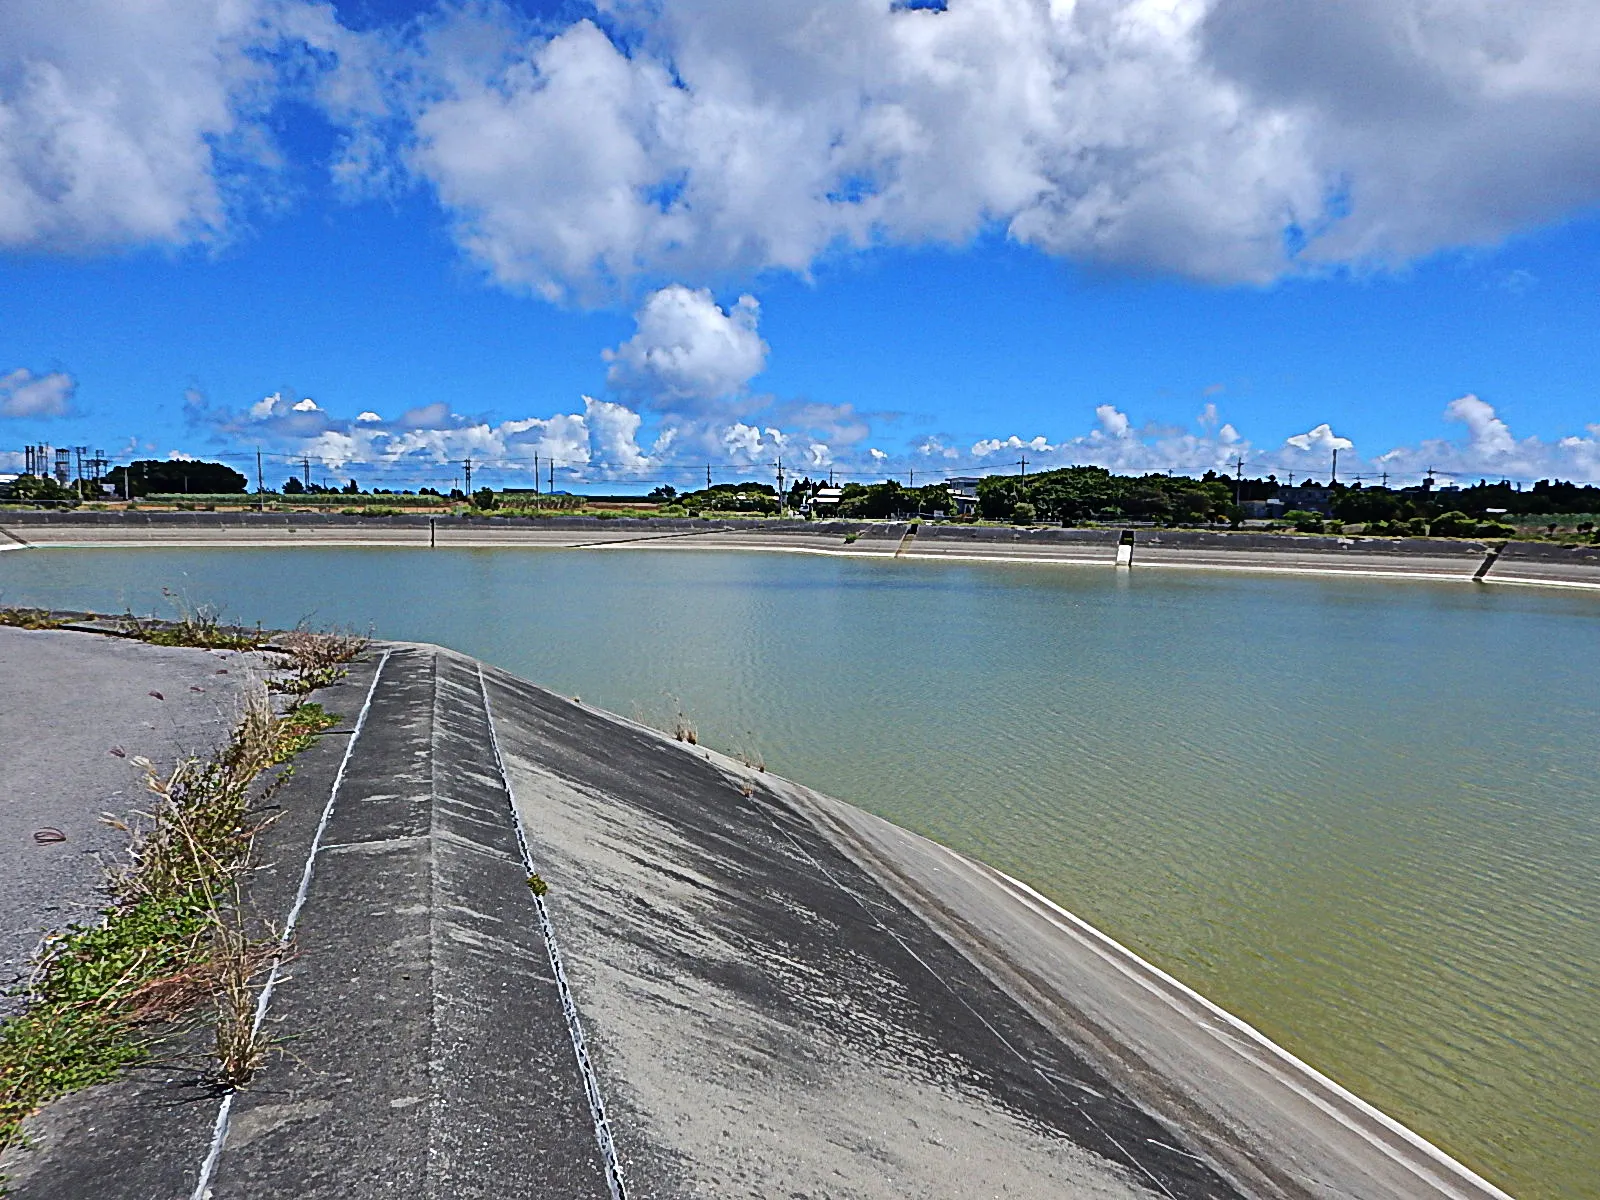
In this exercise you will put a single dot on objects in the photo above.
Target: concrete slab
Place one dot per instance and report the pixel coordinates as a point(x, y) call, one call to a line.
point(66, 701)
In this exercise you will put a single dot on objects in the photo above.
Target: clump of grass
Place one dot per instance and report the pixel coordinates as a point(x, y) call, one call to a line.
point(197, 625)
point(683, 729)
point(171, 937)
point(30, 618)
point(537, 885)
point(241, 1046)
point(750, 754)
point(314, 660)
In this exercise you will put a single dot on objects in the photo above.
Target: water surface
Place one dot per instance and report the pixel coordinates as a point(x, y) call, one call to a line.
point(1364, 815)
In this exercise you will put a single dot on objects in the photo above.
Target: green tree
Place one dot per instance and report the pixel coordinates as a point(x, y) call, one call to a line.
point(147, 475)
point(1366, 504)
point(1454, 524)
point(43, 490)
point(1304, 521)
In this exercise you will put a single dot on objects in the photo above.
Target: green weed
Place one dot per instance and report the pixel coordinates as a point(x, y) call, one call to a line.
point(172, 936)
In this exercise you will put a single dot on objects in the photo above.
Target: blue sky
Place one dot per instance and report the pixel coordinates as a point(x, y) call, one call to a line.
point(646, 238)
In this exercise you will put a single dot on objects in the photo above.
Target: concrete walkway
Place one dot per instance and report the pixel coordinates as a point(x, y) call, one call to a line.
point(733, 987)
point(67, 702)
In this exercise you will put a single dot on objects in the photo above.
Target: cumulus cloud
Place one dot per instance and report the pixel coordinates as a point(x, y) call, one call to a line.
point(24, 394)
point(1227, 140)
point(1491, 450)
point(130, 123)
point(689, 355)
point(1321, 440)
point(704, 140)
point(1488, 450)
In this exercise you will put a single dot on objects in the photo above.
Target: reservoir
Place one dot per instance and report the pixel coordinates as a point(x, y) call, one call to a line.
point(1362, 814)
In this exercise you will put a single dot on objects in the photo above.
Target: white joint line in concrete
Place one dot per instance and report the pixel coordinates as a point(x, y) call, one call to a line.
point(219, 1134)
point(569, 1008)
point(1170, 989)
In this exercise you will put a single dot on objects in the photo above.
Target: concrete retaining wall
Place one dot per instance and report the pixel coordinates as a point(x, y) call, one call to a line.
point(1432, 558)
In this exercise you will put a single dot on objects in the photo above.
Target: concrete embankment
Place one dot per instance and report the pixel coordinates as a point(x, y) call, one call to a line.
point(733, 986)
point(1530, 563)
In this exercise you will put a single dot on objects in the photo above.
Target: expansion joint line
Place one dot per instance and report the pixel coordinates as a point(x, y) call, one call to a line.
point(569, 1008)
point(219, 1134)
point(967, 1004)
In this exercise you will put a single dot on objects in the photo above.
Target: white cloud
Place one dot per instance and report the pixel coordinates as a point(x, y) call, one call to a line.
point(614, 430)
point(1491, 450)
point(706, 140)
point(24, 394)
point(1487, 433)
point(985, 447)
point(689, 355)
point(1321, 441)
point(369, 415)
point(127, 123)
point(1226, 140)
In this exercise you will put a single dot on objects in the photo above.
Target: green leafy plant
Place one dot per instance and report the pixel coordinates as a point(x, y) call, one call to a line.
point(172, 936)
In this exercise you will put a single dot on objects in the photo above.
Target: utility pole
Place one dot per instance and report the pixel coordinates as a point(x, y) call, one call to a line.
point(1238, 482)
point(1023, 463)
point(536, 473)
point(708, 477)
point(913, 477)
point(1385, 476)
point(468, 465)
point(305, 470)
point(1334, 478)
point(553, 474)
point(261, 491)
point(779, 465)
point(1291, 478)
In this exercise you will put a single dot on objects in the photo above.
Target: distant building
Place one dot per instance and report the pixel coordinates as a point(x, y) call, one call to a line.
point(1307, 499)
point(964, 491)
point(1258, 510)
point(826, 501)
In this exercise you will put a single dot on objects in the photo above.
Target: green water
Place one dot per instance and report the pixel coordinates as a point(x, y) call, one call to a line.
point(1363, 815)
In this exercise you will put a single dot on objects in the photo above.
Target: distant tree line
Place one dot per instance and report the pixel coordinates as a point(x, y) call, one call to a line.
point(1074, 494)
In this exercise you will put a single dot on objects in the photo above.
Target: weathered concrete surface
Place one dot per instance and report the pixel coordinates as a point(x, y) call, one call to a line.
point(781, 996)
point(431, 1055)
point(1427, 558)
point(761, 1020)
point(66, 701)
point(1548, 565)
point(790, 997)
